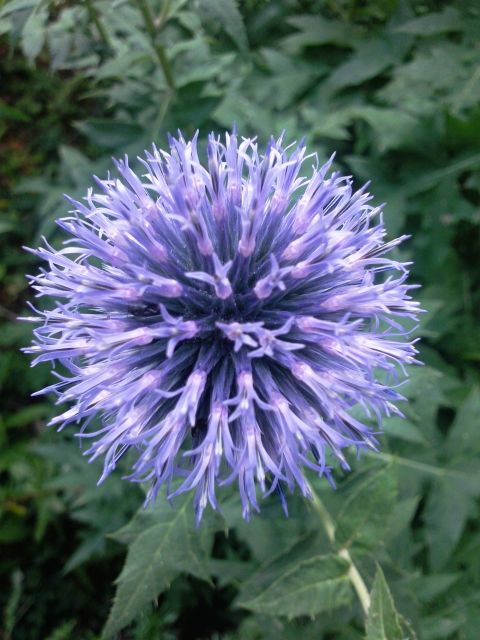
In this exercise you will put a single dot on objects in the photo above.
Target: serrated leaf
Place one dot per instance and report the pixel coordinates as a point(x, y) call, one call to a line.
point(383, 622)
point(163, 543)
point(368, 504)
point(307, 588)
point(229, 16)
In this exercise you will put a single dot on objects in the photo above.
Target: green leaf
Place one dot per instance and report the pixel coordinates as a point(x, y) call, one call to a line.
point(369, 60)
point(163, 542)
point(404, 429)
point(287, 80)
point(383, 622)
point(310, 587)
point(77, 166)
point(437, 78)
point(109, 133)
point(8, 112)
point(430, 24)
point(368, 504)
point(429, 588)
point(463, 434)
point(28, 415)
point(316, 30)
point(446, 512)
point(18, 5)
point(329, 124)
point(401, 516)
point(393, 128)
point(34, 33)
point(229, 16)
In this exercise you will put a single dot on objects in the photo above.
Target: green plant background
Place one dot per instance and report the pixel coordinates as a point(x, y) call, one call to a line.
point(394, 87)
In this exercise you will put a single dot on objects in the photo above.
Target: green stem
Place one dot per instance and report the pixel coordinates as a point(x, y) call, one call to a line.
point(353, 573)
point(419, 466)
point(357, 581)
point(163, 15)
point(152, 32)
point(95, 18)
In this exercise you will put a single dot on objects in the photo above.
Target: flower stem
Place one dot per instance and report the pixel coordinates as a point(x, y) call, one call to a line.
point(159, 50)
point(357, 581)
point(354, 575)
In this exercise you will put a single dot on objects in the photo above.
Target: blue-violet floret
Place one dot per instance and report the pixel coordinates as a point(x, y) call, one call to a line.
point(224, 319)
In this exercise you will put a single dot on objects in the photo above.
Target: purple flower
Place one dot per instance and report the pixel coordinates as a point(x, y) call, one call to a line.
point(223, 319)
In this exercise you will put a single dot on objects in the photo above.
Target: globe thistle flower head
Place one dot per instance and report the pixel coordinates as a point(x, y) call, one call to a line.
point(224, 318)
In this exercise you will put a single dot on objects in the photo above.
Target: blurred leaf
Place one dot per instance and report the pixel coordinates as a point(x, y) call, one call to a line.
point(404, 429)
point(433, 23)
point(446, 512)
point(27, 415)
point(90, 547)
point(316, 31)
point(370, 59)
point(437, 77)
point(313, 586)
point(12, 113)
point(63, 632)
point(108, 133)
point(19, 5)
point(11, 608)
point(393, 128)
point(401, 516)
point(34, 33)
point(463, 436)
point(429, 588)
point(78, 167)
point(228, 15)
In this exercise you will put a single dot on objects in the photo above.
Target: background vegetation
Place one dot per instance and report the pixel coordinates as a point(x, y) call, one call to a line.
point(394, 87)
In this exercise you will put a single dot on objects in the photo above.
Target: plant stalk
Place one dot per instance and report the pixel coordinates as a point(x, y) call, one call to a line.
point(159, 50)
point(354, 575)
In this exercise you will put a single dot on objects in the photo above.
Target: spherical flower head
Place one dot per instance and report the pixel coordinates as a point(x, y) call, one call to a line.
point(223, 319)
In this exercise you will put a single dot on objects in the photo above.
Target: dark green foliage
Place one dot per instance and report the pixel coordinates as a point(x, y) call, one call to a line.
point(394, 87)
